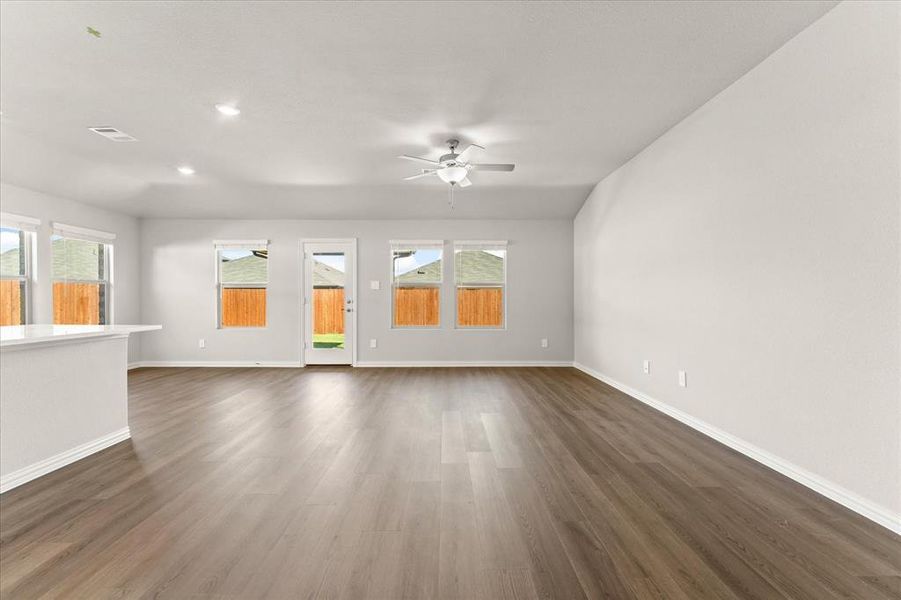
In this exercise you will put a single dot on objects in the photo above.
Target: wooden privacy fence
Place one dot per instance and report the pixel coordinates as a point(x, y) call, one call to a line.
point(246, 307)
point(243, 307)
point(476, 307)
point(416, 307)
point(76, 303)
point(480, 307)
point(328, 310)
point(10, 302)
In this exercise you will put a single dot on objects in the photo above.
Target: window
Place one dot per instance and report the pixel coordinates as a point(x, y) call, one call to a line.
point(480, 275)
point(16, 240)
point(81, 270)
point(416, 283)
point(242, 272)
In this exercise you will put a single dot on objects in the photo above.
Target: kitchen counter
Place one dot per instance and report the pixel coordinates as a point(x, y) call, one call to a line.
point(63, 395)
point(24, 335)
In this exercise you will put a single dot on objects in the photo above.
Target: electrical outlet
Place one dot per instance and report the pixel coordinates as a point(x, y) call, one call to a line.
point(373, 343)
point(201, 343)
point(374, 285)
point(544, 342)
point(647, 367)
point(683, 380)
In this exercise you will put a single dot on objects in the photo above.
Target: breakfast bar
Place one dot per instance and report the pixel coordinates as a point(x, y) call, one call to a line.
point(63, 395)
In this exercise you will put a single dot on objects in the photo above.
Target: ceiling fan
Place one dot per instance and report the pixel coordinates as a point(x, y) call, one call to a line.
point(454, 168)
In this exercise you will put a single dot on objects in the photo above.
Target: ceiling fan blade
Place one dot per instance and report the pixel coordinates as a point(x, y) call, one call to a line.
point(465, 182)
point(466, 153)
point(419, 159)
point(491, 167)
point(425, 173)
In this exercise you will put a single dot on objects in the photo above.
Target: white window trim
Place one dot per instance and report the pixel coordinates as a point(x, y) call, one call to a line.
point(480, 245)
point(240, 244)
point(82, 233)
point(19, 222)
point(218, 246)
point(416, 244)
point(396, 245)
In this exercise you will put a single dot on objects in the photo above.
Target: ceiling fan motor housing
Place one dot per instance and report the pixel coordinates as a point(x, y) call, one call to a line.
point(450, 158)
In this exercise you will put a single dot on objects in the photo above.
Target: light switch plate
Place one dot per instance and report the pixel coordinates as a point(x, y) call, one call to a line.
point(373, 343)
point(683, 380)
point(647, 366)
point(374, 285)
point(544, 342)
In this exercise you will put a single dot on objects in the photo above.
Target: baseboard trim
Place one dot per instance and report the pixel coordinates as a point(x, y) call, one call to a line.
point(872, 511)
point(287, 364)
point(360, 363)
point(466, 363)
point(58, 461)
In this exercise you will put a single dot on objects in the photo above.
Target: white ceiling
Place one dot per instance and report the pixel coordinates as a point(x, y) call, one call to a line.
point(332, 92)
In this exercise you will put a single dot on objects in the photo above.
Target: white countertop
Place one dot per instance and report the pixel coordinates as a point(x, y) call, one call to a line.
point(23, 335)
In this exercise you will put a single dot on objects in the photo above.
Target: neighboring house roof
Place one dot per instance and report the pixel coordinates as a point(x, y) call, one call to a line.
point(478, 266)
point(472, 266)
point(252, 269)
point(326, 276)
point(427, 273)
point(247, 269)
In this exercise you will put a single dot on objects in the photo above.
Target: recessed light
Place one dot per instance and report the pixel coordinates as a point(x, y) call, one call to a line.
point(229, 110)
point(186, 170)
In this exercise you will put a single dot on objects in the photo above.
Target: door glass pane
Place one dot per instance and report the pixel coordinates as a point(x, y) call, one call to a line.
point(328, 299)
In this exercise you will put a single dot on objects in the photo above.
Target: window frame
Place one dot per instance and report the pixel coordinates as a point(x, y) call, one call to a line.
point(27, 226)
point(106, 283)
point(401, 245)
point(481, 245)
point(251, 245)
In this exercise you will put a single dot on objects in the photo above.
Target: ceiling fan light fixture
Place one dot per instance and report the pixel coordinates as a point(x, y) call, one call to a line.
point(453, 174)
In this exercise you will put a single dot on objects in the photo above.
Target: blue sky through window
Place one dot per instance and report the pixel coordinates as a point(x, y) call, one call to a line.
point(235, 254)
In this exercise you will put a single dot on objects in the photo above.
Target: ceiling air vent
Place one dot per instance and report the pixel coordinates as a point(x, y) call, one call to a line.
point(111, 133)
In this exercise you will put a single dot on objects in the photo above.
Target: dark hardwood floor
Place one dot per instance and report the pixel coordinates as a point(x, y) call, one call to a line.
point(424, 483)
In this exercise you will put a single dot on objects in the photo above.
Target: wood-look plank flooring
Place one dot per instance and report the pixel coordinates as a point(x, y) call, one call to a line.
point(331, 482)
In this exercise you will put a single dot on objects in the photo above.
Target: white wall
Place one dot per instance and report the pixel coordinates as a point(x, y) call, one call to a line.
point(756, 246)
point(179, 286)
point(126, 276)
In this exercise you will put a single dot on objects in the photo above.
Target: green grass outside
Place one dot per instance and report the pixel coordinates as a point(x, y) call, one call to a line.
point(328, 340)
